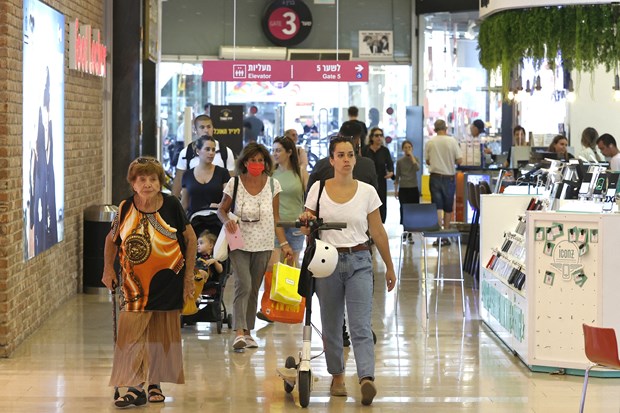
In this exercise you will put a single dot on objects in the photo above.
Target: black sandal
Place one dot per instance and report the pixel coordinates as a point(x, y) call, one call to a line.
point(155, 393)
point(132, 397)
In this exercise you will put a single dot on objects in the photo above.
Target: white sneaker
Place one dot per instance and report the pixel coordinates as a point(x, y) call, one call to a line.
point(239, 343)
point(250, 342)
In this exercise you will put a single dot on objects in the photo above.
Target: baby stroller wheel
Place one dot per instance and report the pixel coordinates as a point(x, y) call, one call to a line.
point(219, 326)
point(303, 386)
point(289, 364)
point(229, 320)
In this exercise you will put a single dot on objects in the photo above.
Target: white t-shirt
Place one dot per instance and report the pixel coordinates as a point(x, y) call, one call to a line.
point(441, 153)
point(259, 235)
point(354, 212)
point(230, 162)
point(614, 162)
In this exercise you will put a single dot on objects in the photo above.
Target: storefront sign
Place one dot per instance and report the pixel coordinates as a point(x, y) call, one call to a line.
point(285, 71)
point(488, 7)
point(228, 126)
point(86, 52)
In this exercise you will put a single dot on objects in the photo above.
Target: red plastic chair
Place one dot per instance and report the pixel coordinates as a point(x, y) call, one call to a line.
point(602, 350)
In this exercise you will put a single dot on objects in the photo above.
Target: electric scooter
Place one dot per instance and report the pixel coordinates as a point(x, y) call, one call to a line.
point(299, 373)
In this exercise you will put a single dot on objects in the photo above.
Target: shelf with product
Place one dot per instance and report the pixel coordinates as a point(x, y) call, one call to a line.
point(503, 303)
point(571, 262)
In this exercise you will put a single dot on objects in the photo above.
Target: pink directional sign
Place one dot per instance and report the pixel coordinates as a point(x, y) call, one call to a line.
point(285, 71)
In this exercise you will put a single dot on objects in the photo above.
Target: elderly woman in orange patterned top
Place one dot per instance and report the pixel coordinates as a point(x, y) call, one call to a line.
point(153, 237)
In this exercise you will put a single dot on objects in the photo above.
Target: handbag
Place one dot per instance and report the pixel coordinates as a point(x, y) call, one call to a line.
point(282, 313)
point(220, 249)
point(285, 281)
point(191, 306)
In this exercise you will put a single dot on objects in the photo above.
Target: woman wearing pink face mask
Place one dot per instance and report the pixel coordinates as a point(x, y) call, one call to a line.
point(257, 207)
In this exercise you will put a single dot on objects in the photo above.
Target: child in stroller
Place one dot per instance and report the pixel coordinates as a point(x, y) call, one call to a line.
point(211, 307)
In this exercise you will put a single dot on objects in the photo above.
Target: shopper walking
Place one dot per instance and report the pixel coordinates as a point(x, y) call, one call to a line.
point(257, 206)
point(203, 185)
point(351, 284)
point(154, 236)
point(384, 165)
point(406, 180)
point(442, 153)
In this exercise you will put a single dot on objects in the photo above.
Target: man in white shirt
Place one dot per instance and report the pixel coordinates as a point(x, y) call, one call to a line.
point(203, 126)
point(607, 144)
point(441, 154)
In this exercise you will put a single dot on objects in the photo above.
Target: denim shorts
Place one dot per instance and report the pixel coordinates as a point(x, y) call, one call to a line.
point(295, 239)
point(442, 188)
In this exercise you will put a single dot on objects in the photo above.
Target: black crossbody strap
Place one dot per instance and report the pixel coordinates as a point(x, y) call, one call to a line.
point(234, 197)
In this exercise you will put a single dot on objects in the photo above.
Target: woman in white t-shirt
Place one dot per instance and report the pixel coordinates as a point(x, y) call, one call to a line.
point(257, 206)
point(345, 199)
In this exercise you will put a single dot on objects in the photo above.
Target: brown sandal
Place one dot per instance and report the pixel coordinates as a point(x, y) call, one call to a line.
point(155, 394)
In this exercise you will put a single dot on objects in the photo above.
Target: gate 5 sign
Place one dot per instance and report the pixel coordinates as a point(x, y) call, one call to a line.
point(284, 71)
point(287, 22)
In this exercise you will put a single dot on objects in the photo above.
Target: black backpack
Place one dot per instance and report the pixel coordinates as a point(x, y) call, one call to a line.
point(191, 152)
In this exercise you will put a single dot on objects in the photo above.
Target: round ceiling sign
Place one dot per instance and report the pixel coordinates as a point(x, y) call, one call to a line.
point(287, 22)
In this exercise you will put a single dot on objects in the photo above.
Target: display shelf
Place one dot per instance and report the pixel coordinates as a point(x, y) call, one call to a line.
point(504, 281)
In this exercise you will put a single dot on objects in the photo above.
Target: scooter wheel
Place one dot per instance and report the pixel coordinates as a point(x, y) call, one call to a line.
point(303, 386)
point(289, 364)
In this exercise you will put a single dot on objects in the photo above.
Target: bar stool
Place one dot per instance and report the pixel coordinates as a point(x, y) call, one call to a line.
point(421, 219)
point(473, 229)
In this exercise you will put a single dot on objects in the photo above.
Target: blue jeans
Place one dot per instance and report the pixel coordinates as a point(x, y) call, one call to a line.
point(350, 283)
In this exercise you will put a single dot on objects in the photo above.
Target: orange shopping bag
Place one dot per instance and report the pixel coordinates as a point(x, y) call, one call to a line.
point(283, 313)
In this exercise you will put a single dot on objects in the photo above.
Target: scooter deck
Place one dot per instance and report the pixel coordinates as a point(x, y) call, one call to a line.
point(288, 375)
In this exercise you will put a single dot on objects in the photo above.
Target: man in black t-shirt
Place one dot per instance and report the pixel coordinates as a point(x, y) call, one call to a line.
point(354, 112)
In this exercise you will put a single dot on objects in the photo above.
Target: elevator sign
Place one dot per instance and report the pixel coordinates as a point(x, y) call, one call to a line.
point(285, 71)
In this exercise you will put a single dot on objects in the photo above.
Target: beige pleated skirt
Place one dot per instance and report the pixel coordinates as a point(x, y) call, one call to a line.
point(148, 349)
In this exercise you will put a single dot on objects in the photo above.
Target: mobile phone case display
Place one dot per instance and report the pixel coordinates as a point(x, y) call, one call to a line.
point(573, 261)
point(503, 275)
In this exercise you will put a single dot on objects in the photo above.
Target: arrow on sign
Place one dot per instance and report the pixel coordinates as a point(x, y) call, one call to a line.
point(359, 68)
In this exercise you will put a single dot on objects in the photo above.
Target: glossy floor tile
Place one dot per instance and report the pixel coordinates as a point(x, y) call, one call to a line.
point(449, 363)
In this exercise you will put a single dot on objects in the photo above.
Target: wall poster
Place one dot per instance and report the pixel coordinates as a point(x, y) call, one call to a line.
point(43, 127)
point(376, 44)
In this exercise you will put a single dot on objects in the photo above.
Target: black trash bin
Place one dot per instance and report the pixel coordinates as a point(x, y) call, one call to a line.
point(97, 221)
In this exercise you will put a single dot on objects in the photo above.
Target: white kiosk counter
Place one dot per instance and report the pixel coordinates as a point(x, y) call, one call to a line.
point(571, 263)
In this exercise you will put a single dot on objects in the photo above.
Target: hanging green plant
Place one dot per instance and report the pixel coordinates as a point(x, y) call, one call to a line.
point(586, 36)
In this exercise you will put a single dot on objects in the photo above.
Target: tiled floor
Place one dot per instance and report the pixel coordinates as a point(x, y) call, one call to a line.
point(447, 364)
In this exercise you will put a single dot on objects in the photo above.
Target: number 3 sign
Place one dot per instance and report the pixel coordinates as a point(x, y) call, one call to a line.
point(287, 22)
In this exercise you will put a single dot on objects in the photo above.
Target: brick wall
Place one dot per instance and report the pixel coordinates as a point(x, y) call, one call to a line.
point(30, 291)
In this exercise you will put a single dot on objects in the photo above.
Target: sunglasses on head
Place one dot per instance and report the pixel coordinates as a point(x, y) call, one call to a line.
point(146, 160)
point(341, 138)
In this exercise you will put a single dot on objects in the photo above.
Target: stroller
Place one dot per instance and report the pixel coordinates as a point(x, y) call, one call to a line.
point(211, 308)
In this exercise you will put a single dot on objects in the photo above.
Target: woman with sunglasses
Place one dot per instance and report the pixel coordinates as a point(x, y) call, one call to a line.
point(345, 199)
point(203, 185)
point(152, 236)
point(257, 207)
point(384, 165)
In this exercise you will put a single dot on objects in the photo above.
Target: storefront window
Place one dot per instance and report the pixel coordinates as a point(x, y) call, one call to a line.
point(455, 85)
point(319, 107)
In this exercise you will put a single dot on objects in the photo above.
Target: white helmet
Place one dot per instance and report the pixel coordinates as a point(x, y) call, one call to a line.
point(324, 260)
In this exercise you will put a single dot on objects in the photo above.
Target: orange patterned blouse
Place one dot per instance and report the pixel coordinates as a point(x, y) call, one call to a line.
point(151, 255)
